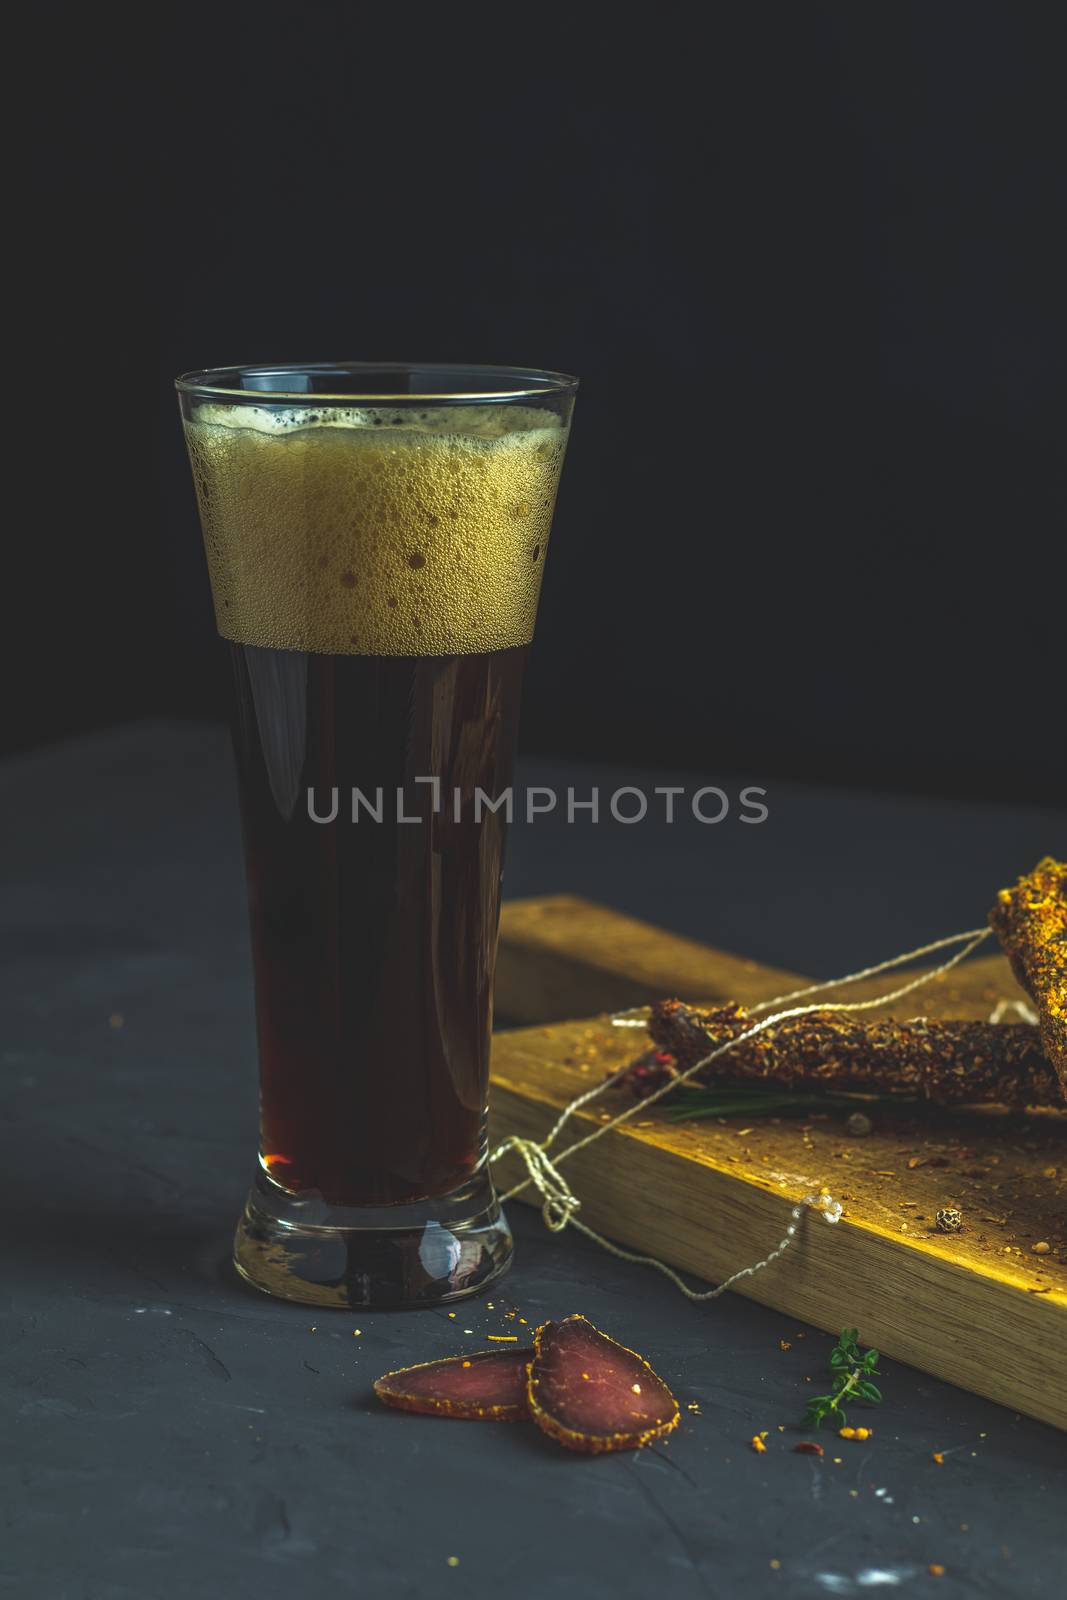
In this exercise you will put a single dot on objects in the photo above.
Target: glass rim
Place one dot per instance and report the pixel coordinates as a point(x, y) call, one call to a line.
point(493, 382)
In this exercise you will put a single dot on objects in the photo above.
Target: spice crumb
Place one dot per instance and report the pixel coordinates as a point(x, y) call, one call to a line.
point(784, 1344)
point(938, 1457)
point(453, 1561)
point(936, 1570)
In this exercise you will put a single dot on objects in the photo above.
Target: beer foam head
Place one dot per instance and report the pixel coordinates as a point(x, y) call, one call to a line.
point(376, 530)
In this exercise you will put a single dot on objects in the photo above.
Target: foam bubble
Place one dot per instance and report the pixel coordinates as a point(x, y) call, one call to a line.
point(375, 530)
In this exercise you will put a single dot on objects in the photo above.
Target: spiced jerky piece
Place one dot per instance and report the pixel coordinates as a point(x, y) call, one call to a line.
point(1031, 923)
point(591, 1394)
point(486, 1386)
point(943, 1062)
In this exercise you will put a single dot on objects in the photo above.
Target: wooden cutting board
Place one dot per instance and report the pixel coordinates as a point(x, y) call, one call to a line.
point(979, 1308)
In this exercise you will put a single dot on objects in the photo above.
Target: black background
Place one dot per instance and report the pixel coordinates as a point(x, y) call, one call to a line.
point(803, 259)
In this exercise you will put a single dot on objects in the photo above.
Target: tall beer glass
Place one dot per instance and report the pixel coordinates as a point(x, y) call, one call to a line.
point(375, 538)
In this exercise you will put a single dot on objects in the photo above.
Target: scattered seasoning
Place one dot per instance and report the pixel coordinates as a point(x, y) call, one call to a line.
point(936, 1570)
point(453, 1561)
point(356, 1332)
point(808, 1447)
point(938, 1457)
point(758, 1444)
point(784, 1344)
point(775, 1564)
point(855, 1433)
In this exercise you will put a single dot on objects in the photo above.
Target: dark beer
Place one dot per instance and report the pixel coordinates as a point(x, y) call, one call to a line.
point(376, 570)
point(374, 941)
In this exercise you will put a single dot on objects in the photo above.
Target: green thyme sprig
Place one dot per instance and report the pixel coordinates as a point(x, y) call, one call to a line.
point(852, 1381)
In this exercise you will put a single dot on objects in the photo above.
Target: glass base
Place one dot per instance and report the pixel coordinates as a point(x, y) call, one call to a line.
point(299, 1248)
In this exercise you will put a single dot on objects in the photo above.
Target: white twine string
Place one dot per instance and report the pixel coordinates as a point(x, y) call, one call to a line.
point(1021, 1008)
point(559, 1203)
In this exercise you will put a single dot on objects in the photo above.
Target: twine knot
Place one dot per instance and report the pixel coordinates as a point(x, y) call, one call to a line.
point(558, 1202)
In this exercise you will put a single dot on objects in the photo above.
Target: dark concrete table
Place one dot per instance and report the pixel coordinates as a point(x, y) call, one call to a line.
point(171, 1433)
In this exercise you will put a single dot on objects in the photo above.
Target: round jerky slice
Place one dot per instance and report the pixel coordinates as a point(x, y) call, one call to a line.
point(486, 1386)
point(591, 1394)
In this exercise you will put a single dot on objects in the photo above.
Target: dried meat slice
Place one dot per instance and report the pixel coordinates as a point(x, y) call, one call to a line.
point(486, 1386)
point(591, 1394)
